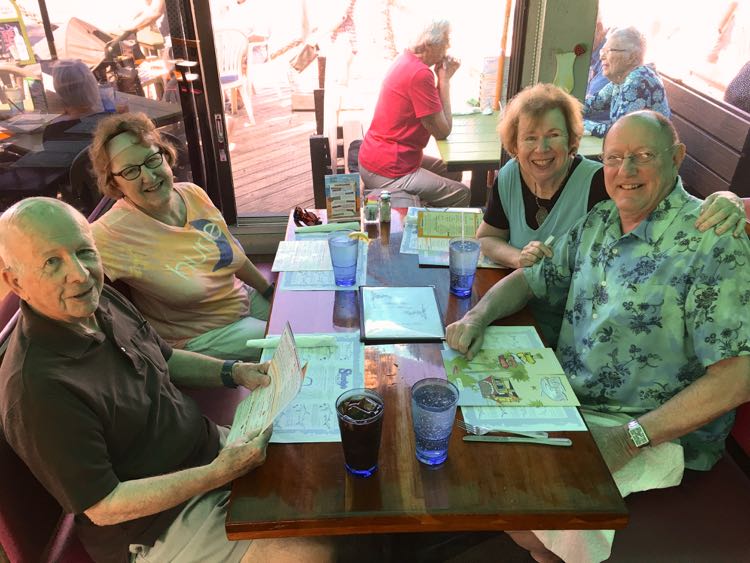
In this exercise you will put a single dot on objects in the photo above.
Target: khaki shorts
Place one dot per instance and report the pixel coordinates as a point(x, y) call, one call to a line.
point(196, 535)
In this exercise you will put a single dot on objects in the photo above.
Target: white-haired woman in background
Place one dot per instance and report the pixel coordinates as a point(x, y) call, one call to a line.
point(632, 85)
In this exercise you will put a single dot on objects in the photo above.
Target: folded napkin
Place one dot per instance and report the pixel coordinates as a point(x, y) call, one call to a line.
point(302, 341)
point(329, 227)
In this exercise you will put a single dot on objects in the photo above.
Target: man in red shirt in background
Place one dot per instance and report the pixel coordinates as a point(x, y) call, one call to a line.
point(410, 108)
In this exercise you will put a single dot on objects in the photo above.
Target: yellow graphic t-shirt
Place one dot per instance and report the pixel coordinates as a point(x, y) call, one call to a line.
point(182, 278)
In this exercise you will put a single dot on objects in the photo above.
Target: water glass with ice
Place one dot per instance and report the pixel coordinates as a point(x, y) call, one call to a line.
point(462, 263)
point(360, 416)
point(433, 410)
point(343, 251)
point(107, 95)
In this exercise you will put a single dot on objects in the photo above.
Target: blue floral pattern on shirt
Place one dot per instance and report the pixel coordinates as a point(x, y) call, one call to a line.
point(647, 312)
point(641, 89)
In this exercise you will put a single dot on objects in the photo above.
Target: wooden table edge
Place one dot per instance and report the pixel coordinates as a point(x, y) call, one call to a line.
point(410, 524)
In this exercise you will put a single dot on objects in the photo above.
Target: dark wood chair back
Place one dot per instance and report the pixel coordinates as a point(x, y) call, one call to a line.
point(84, 194)
point(717, 137)
point(181, 169)
point(320, 160)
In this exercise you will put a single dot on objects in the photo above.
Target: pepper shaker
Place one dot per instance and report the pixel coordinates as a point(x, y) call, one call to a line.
point(385, 206)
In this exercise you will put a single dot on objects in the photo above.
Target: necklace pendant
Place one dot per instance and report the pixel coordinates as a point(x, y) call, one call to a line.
point(541, 215)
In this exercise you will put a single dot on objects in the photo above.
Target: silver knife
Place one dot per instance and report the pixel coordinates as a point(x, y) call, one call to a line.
point(519, 440)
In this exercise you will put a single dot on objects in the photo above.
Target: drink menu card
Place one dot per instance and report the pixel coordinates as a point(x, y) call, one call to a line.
point(342, 197)
point(428, 232)
point(530, 377)
point(399, 314)
point(258, 410)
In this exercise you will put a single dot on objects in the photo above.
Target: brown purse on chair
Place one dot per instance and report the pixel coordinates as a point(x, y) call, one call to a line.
point(306, 55)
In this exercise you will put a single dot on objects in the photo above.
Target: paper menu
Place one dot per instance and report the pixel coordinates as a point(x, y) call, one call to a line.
point(259, 409)
point(331, 370)
point(521, 419)
point(310, 280)
point(510, 377)
point(447, 224)
point(507, 337)
point(302, 255)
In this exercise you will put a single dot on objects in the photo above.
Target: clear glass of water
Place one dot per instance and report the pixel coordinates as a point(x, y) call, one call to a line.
point(433, 410)
point(463, 256)
point(343, 251)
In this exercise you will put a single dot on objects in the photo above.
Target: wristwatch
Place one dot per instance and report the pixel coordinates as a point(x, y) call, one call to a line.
point(226, 374)
point(637, 434)
point(268, 293)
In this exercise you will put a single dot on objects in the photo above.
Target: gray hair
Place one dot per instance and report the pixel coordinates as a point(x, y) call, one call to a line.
point(434, 33)
point(634, 39)
point(23, 216)
point(75, 84)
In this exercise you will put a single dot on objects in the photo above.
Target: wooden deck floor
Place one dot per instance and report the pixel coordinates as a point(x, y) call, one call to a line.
point(271, 159)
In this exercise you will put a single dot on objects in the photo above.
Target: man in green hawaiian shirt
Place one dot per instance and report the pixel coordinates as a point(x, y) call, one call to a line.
point(656, 329)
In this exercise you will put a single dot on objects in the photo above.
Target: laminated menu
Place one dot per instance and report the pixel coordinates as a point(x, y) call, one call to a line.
point(399, 314)
point(510, 377)
point(342, 197)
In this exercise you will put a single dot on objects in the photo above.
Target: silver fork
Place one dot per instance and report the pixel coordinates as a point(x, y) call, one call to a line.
point(481, 430)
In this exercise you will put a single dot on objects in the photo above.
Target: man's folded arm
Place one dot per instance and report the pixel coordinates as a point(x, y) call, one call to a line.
point(437, 125)
point(143, 497)
point(504, 298)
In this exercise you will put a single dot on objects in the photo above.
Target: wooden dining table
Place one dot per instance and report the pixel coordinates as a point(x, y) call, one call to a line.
point(474, 145)
point(304, 489)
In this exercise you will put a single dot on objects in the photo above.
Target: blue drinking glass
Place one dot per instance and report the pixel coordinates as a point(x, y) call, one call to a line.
point(463, 256)
point(344, 252)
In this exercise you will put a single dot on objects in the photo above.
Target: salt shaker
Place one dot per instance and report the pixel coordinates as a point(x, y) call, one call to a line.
point(385, 206)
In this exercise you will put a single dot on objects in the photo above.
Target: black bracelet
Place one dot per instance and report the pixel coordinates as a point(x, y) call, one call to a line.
point(268, 293)
point(226, 374)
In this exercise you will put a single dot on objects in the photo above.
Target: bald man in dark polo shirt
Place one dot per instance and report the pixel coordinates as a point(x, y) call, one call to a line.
point(87, 400)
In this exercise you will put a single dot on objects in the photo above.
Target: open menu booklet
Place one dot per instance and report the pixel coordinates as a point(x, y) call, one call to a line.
point(258, 410)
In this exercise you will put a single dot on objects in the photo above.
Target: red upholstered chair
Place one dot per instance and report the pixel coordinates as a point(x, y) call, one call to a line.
point(33, 528)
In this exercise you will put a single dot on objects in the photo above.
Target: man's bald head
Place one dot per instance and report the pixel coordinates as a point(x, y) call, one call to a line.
point(32, 217)
point(642, 157)
point(51, 261)
point(662, 126)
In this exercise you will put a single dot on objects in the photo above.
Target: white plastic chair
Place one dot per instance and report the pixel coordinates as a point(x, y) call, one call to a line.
point(231, 50)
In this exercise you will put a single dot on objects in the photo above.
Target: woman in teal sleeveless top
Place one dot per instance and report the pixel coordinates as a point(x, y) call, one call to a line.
point(546, 188)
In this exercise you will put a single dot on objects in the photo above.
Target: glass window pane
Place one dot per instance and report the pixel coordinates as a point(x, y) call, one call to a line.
point(706, 45)
point(270, 96)
point(49, 108)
